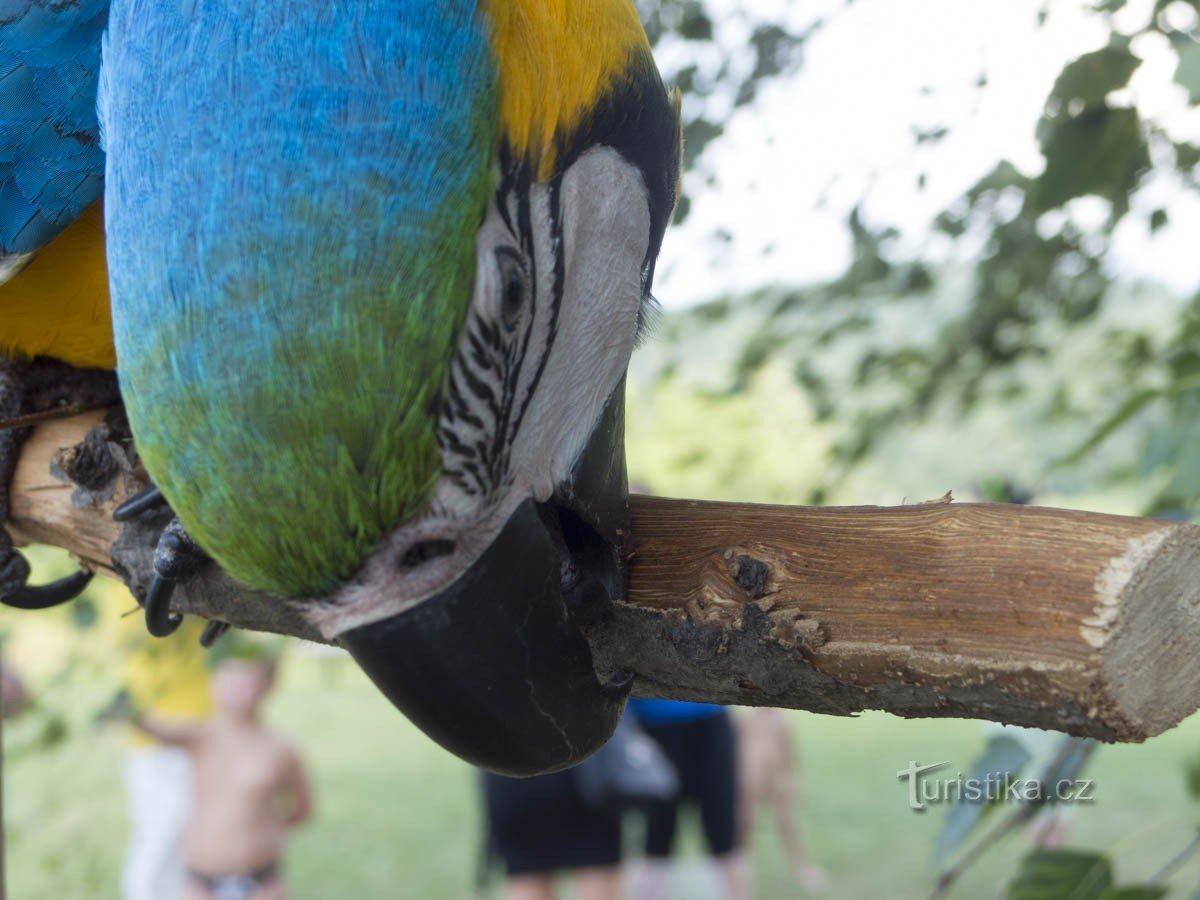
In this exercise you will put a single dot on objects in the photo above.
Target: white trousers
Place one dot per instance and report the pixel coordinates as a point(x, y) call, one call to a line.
point(158, 788)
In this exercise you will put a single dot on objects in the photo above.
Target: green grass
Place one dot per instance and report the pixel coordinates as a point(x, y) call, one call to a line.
point(398, 817)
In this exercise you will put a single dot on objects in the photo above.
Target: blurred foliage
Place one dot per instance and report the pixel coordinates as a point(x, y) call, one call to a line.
point(705, 56)
point(1037, 764)
point(1003, 759)
point(1037, 245)
point(1074, 874)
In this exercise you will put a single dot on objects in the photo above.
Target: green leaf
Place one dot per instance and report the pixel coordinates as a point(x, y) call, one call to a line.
point(1130, 408)
point(1187, 156)
point(1003, 758)
point(1187, 72)
point(1003, 175)
point(1136, 892)
point(83, 613)
point(1101, 151)
point(53, 732)
point(1184, 483)
point(775, 50)
point(755, 354)
point(698, 134)
point(1062, 875)
point(1191, 774)
point(1093, 76)
point(695, 24)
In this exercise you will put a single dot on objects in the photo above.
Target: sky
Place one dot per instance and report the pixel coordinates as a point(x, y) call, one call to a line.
point(790, 168)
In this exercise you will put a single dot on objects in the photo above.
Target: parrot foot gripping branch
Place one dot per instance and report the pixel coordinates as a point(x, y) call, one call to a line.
point(1065, 620)
point(176, 558)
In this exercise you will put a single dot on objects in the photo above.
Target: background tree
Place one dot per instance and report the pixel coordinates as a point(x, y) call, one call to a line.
point(1030, 267)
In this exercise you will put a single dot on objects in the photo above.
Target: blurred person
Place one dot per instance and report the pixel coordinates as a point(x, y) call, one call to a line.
point(699, 740)
point(166, 678)
point(249, 788)
point(767, 762)
point(540, 827)
point(13, 696)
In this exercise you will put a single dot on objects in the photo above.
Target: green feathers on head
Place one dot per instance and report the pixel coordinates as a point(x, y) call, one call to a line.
point(326, 436)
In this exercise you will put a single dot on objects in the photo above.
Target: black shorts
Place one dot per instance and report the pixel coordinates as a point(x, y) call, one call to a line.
point(540, 824)
point(704, 753)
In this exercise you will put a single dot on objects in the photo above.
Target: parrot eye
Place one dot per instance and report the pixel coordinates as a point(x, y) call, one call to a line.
point(512, 285)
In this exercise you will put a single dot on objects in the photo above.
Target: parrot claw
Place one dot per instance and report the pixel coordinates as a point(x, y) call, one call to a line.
point(33, 388)
point(176, 557)
point(18, 595)
point(213, 632)
point(150, 498)
point(160, 621)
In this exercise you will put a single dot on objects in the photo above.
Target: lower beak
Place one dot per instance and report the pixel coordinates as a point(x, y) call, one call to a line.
point(496, 668)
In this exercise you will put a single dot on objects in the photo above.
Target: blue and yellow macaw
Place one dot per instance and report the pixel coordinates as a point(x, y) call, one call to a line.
point(54, 306)
point(377, 269)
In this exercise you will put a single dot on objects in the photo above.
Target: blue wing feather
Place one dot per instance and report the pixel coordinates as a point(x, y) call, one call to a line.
point(51, 163)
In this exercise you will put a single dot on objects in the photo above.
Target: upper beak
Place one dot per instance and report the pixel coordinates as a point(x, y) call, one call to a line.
point(496, 668)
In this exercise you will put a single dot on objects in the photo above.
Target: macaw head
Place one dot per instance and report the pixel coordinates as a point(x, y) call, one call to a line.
point(377, 272)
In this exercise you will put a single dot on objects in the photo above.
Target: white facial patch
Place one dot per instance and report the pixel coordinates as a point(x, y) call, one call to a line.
point(605, 230)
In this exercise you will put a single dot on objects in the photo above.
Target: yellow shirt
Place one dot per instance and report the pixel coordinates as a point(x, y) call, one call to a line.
point(167, 677)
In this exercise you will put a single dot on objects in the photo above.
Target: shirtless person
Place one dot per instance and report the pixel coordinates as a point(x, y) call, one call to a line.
point(767, 758)
point(249, 789)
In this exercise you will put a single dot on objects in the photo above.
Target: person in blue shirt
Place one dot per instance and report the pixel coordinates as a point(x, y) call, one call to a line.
point(699, 740)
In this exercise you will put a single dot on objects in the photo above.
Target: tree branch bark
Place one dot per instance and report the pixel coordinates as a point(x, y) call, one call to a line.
point(1072, 621)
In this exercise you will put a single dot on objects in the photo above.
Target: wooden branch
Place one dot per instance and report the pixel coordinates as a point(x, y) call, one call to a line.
point(1072, 621)
point(42, 509)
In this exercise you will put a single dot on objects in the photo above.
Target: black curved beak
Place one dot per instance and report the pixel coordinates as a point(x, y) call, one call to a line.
point(496, 668)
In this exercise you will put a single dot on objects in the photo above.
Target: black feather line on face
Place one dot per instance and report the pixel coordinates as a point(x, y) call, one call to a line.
point(498, 366)
point(556, 293)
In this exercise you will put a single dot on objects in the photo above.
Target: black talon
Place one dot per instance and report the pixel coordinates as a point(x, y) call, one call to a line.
point(46, 596)
point(176, 558)
point(138, 504)
point(213, 632)
point(160, 621)
point(14, 570)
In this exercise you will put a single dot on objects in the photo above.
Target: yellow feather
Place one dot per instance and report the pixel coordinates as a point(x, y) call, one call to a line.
point(58, 305)
point(556, 60)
